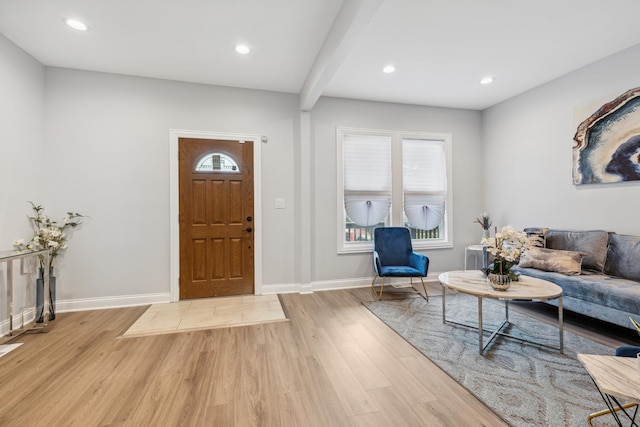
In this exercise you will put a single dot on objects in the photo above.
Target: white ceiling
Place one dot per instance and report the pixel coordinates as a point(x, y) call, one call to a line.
point(441, 48)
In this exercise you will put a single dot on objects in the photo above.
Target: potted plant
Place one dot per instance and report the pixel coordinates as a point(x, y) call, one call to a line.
point(506, 247)
point(485, 222)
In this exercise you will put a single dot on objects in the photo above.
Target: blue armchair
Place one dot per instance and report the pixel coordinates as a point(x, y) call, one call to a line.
point(393, 256)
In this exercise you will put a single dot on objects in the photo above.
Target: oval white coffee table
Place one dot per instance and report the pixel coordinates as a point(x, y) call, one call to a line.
point(472, 282)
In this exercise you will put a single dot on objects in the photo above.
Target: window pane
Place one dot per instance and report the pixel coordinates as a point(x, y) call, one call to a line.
point(424, 211)
point(367, 163)
point(424, 187)
point(367, 209)
point(217, 162)
point(357, 233)
point(423, 165)
point(367, 184)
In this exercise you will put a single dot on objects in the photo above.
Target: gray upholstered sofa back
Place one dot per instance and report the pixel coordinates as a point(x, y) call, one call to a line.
point(623, 257)
point(593, 242)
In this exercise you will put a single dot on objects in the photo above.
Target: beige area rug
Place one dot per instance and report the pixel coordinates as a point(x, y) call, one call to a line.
point(209, 313)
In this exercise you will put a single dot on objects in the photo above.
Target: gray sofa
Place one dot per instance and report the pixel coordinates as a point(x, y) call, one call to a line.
point(608, 286)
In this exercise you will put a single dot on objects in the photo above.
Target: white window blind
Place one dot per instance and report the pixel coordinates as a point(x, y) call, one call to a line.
point(424, 178)
point(424, 166)
point(367, 178)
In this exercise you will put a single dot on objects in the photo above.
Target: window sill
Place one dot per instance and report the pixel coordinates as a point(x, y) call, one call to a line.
point(368, 247)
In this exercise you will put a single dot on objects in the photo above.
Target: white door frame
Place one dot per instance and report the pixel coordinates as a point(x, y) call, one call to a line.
point(174, 208)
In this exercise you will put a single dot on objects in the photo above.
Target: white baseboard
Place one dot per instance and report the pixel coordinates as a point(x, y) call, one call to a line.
point(84, 304)
point(331, 285)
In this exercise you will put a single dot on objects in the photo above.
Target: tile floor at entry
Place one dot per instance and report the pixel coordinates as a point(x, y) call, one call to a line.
point(209, 313)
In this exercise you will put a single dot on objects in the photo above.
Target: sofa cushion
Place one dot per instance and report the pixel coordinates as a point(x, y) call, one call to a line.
point(594, 243)
point(600, 289)
point(536, 235)
point(623, 257)
point(564, 262)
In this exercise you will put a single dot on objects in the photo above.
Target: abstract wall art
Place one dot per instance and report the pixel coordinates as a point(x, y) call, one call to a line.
point(607, 143)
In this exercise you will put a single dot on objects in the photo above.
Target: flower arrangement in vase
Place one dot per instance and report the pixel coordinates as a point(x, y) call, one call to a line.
point(506, 247)
point(485, 222)
point(49, 235)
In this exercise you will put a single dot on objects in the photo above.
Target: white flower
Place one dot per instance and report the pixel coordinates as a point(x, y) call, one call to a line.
point(508, 244)
point(48, 234)
point(18, 242)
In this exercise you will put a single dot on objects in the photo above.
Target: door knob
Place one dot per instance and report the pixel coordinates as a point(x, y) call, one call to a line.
point(249, 229)
point(249, 219)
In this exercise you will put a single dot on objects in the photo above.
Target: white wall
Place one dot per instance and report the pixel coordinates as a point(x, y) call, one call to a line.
point(465, 127)
point(21, 140)
point(107, 139)
point(21, 158)
point(528, 144)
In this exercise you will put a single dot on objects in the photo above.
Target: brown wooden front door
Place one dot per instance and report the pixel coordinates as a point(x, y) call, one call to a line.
point(216, 217)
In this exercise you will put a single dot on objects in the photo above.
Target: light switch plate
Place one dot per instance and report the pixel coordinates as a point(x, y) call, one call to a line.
point(280, 204)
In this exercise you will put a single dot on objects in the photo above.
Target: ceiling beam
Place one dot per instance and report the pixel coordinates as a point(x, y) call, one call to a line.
point(353, 17)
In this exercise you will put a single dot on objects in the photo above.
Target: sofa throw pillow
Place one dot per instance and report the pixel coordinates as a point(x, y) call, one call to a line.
point(565, 262)
point(623, 257)
point(593, 242)
point(537, 235)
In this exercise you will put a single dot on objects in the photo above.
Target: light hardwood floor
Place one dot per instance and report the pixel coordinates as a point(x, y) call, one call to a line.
point(333, 364)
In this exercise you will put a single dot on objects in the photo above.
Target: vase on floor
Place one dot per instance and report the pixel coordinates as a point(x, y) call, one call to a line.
point(499, 282)
point(40, 296)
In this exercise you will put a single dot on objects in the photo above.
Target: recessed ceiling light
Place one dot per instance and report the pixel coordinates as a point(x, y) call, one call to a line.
point(76, 25)
point(243, 49)
point(487, 80)
point(389, 69)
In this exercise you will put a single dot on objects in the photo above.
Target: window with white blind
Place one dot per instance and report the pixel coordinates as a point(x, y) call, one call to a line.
point(390, 178)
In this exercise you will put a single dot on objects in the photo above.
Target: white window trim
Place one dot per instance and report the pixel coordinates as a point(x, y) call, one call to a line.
point(396, 214)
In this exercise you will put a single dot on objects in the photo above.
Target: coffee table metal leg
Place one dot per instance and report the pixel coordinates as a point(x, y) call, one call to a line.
point(443, 315)
point(561, 324)
point(481, 346)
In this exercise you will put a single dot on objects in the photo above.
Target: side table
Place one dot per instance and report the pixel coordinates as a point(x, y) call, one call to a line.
point(615, 378)
point(476, 250)
point(7, 257)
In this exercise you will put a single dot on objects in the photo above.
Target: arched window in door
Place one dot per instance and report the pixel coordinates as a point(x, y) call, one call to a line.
point(217, 162)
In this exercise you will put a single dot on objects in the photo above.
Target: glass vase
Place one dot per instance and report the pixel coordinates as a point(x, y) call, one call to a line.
point(40, 296)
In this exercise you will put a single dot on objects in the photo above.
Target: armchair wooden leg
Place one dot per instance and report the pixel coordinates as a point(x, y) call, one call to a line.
point(377, 295)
